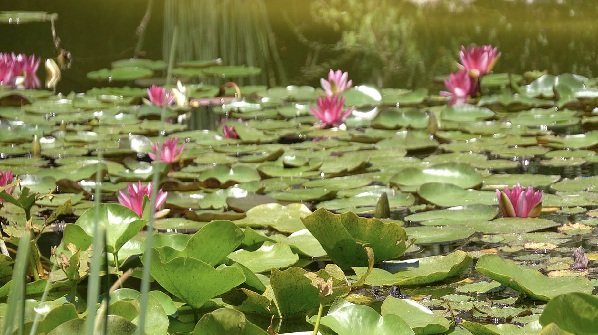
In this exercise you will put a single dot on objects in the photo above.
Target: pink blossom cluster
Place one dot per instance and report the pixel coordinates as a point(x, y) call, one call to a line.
point(6, 178)
point(520, 202)
point(19, 70)
point(330, 109)
point(135, 196)
point(168, 152)
point(475, 63)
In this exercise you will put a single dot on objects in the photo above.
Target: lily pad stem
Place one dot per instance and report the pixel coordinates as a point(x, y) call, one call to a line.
point(317, 325)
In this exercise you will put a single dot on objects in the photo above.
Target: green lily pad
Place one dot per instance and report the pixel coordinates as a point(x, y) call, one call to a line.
point(226, 321)
point(442, 234)
point(345, 236)
point(468, 212)
point(430, 270)
point(462, 175)
point(201, 281)
point(401, 118)
point(500, 181)
point(367, 321)
point(300, 195)
point(286, 219)
point(16, 17)
point(466, 113)
point(121, 224)
point(140, 62)
point(418, 317)
point(224, 175)
point(268, 256)
point(576, 313)
point(293, 292)
point(448, 195)
point(528, 281)
point(120, 74)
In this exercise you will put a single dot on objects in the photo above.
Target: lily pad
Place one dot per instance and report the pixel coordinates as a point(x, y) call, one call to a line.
point(367, 321)
point(418, 317)
point(462, 175)
point(430, 270)
point(528, 281)
point(345, 236)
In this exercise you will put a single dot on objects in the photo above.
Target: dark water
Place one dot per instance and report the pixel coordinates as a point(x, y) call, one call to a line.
point(395, 43)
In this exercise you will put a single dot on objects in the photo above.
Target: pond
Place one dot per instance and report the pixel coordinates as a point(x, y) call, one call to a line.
point(222, 200)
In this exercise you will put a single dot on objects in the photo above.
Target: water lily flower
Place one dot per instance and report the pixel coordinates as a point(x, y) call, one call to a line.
point(135, 197)
point(159, 96)
point(520, 202)
point(460, 86)
point(168, 152)
point(337, 82)
point(180, 94)
point(478, 61)
point(6, 70)
point(6, 177)
point(28, 70)
point(19, 70)
point(230, 132)
point(329, 111)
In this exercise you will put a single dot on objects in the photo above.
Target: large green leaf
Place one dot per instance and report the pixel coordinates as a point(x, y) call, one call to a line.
point(121, 224)
point(214, 242)
point(422, 320)
point(226, 321)
point(528, 281)
point(200, 282)
point(294, 293)
point(268, 256)
point(344, 237)
point(574, 312)
point(430, 270)
point(350, 319)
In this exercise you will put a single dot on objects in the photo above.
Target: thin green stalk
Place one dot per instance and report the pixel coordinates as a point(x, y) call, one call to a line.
point(93, 284)
point(42, 301)
point(149, 239)
point(16, 297)
point(319, 317)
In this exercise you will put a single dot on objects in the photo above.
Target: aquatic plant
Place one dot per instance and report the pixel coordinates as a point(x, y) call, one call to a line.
point(168, 152)
point(478, 61)
point(520, 202)
point(330, 111)
point(136, 195)
point(337, 82)
point(475, 63)
point(460, 86)
point(6, 178)
point(230, 132)
point(19, 70)
point(159, 96)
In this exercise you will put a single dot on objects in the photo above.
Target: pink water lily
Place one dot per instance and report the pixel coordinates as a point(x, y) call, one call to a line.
point(230, 132)
point(478, 61)
point(460, 86)
point(136, 194)
point(520, 202)
point(168, 152)
point(159, 96)
point(337, 82)
point(330, 111)
point(19, 70)
point(6, 177)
